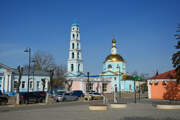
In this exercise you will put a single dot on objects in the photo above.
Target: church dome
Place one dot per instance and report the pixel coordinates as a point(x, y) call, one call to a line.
point(113, 41)
point(114, 58)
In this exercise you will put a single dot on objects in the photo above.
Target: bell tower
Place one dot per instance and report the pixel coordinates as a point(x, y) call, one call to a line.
point(75, 63)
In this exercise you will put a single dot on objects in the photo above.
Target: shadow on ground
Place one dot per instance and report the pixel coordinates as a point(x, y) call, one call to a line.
point(146, 118)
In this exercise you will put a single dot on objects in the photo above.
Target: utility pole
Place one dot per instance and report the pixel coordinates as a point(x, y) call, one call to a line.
point(29, 67)
point(88, 82)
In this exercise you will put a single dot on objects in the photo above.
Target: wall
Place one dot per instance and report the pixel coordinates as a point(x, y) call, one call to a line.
point(169, 91)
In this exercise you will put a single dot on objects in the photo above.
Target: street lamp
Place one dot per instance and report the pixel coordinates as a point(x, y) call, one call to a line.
point(28, 50)
point(119, 80)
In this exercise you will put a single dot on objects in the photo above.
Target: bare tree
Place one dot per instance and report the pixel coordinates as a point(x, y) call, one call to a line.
point(20, 72)
point(43, 83)
point(68, 84)
point(43, 61)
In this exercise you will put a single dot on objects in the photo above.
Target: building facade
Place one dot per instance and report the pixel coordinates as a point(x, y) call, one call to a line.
point(9, 78)
point(114, 68)
point(75, 74)
point(111, 77)
point(164, 86)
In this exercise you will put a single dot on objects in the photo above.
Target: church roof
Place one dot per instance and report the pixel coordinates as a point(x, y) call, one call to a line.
point(75, 24)
point(114, 58)
point(167, 75)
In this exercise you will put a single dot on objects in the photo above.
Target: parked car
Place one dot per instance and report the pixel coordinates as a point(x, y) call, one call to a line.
point(3, 100)
point(59, 96)
point(34, 97)
point(93, 96)
point(78, 93)
point(66, 97)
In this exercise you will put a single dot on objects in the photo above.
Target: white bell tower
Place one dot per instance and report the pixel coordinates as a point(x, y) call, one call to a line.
point(75, 63)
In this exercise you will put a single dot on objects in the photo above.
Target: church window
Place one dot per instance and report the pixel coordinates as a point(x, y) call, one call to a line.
point(78, 55)
point(109, 66)
point(73, 28)
point(73, 35)
point(77, 28)
point(72, 55)
point(77, 45)
point(72, 45)
point(114, 78)
point(130, 87)
point(104, 87)
point(72, 67)
point(77, 35)
point(78, 67)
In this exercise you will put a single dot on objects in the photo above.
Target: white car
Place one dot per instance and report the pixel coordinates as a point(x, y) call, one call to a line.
point(65, 97)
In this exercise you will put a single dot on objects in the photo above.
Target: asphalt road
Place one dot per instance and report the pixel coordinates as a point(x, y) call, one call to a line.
point(79, 111)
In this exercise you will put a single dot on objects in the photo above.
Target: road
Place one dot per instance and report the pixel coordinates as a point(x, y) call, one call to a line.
point(79, 111)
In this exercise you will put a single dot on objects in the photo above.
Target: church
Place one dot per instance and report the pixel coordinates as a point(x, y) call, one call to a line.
point(114, 68)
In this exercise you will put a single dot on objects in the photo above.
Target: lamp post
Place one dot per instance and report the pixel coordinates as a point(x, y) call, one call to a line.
point(119, 80)
point(134, 89)
point(28, 50)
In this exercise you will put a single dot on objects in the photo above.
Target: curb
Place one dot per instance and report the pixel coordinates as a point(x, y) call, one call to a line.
point(168, 107)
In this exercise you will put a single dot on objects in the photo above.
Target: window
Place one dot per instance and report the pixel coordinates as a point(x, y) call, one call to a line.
point(104, 87)
point(72, 55)
point(72, 67)
point(130, 87)
point(90, 85)
point(38, 85)
point(72, 45)
point(78, 67)
point(15, 84)
point(77, 35)
point(73, 35)
point(23, 84)
point(72, 28)
point(109, 66)
point(77, 45)
point(114, 78)
point(78, 55)
point(77, 28)
point(31, 84)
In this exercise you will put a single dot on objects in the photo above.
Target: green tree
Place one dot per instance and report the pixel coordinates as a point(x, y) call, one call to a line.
point(176, 56)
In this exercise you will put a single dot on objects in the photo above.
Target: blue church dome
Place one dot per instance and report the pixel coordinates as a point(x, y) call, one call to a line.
point(75, 24)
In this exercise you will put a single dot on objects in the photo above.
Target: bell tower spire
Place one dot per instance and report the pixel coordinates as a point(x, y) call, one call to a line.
point(75, 63)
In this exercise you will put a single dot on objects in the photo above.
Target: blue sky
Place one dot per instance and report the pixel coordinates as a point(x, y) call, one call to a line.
point(143, 29)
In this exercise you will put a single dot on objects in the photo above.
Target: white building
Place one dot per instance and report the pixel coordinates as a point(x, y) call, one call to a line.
point(9, 77)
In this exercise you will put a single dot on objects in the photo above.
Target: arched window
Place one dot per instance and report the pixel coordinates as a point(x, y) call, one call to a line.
point(77, 45)
point(72, 67)
point(78, 55)
point(72, 55)
point(72, 45)
point(77, 35)
point(78, 67)
point(73, 35)
point(109, 66)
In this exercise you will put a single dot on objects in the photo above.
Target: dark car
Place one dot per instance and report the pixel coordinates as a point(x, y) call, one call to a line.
point(32, 97)
point(3, 100)
point(78, 93)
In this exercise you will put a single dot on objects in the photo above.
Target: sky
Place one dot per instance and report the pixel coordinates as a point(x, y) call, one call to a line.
point(143, 30)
